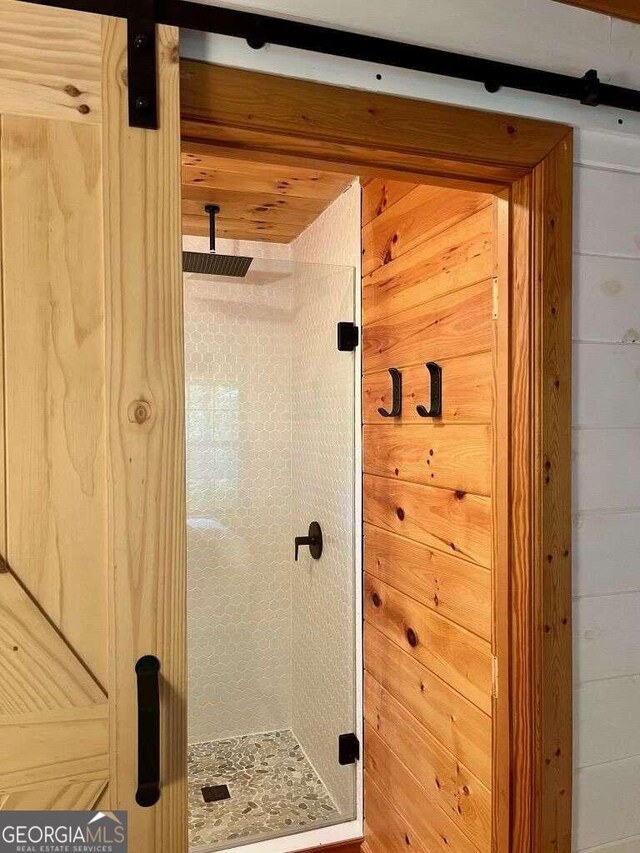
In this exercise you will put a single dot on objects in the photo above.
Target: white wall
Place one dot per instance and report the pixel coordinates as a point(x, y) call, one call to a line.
point(606, 419)
point(607, 315)
point(521, 31)
point(324, 592)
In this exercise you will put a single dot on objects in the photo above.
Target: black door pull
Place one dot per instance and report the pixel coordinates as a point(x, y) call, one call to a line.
point(396, 403)
point(435, 406)
point(148, 676)
point(313, 540)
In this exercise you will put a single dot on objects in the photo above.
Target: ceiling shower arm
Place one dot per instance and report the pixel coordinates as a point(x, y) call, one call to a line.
point(212, 210)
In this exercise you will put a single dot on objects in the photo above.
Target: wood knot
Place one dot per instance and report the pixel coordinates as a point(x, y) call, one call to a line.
point(139, 412)
point(412, 638)
point(72, 91)
point(375, 599)
point(84, 109)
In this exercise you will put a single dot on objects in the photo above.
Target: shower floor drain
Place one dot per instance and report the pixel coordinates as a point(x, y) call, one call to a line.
point(215, 793)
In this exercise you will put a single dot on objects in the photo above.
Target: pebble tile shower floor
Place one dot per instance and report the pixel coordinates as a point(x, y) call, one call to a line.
point(274, 790)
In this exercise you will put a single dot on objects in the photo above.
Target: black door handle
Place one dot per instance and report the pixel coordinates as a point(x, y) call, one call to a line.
point(435, 407)
point(313, 540)
point(147, 673)
point(396, 403)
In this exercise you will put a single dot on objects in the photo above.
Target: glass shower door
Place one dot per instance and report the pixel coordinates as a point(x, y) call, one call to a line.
point(271, 430)
point(323, 469)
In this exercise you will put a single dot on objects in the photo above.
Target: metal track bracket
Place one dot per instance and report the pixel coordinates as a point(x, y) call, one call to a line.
point(142, 74)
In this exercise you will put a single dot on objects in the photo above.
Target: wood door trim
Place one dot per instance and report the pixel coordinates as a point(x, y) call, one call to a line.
point(626, 9)
point(342, 847)
point(528, 164)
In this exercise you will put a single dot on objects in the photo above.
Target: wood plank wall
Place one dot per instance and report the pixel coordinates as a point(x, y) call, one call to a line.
point(429, 272)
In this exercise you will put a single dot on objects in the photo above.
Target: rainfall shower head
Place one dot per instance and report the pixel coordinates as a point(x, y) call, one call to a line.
point(210, 263)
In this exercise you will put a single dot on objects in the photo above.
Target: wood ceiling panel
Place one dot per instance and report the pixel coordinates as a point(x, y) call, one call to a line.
point(237, 229)
point(296, 214)
point(628, 10)
point(258, 201)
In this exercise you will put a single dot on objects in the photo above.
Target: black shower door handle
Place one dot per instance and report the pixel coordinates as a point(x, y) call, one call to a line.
point(148, 677)
point(313, 539)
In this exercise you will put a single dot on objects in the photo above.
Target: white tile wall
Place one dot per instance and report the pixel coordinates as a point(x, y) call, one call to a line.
point(606, 460)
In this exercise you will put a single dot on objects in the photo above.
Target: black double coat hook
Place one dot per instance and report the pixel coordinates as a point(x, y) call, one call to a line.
point(435, 404)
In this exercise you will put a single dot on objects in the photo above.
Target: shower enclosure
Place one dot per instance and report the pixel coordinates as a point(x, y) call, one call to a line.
point(271, 449)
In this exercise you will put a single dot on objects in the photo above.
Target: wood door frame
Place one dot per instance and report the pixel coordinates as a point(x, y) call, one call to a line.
point(627, 10)
point(528, 164)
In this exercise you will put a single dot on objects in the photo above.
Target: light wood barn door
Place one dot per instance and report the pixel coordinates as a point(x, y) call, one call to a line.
point(92, 513)
point(430, 276)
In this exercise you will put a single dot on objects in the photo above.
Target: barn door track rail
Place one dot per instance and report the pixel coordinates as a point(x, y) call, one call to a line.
point(259, 30)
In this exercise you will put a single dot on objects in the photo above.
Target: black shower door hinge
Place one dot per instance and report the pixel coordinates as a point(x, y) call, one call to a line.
point(348, 337)
point(142, 72)
point(348, 748)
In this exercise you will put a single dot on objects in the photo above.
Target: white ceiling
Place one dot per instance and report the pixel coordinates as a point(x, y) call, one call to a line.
point(541, 33)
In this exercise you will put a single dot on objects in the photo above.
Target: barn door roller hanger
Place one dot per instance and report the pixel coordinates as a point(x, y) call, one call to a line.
point(259, 30)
